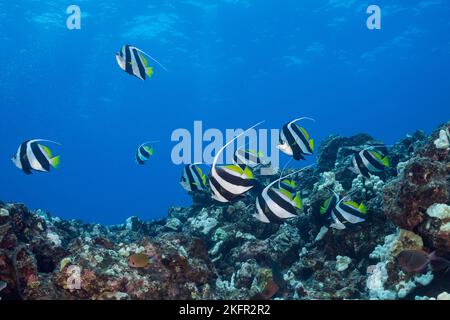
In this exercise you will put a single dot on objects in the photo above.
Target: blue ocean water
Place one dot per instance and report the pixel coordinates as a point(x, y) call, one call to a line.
point(231, 63)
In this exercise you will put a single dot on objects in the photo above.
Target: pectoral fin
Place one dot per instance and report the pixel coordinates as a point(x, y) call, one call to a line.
point(46, 150)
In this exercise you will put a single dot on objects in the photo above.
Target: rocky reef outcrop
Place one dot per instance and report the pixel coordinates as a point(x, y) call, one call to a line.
point(418, 199)
point(216, 251)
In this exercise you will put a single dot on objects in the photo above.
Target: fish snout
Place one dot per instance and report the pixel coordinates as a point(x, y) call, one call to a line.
point(131, 263)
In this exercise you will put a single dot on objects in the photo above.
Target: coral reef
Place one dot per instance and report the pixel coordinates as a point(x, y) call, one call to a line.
point(216, 251)
point(417, 199)
point(386, 280)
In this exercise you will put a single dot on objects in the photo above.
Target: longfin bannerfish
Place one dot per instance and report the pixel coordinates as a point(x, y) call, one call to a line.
point(327, 211)
point(275, 205)
point(134, 61)
point(342, 211)
point(346, 211)
point(230, 181)
point(295, 140)
point(367, 162)
point(250, 158)
point(193, 178)
point(329, 205)
point(144, 152)
point(32, 155)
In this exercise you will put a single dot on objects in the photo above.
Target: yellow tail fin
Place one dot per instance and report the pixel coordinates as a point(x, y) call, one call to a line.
point(55, 162)
point(311, 144)
point(298, 201)
point(149, 71)
point(248, 173)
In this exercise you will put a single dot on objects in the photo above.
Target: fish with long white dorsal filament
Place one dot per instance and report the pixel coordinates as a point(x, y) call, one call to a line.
point(33, 155)
point(135, 62)
point(343, 211)
point(144, 152)
point(274, 205)
point(230, 181)
point(367, 162)
point(193, 179)
point(295, 140)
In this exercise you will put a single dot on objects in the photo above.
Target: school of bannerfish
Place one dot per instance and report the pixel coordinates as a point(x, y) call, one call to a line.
point(278, 201)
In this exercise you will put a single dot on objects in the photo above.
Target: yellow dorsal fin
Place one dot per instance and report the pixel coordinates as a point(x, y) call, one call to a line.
point(376, 155)
point(290, 183)
point(234, 168)
point(384, 161)
point(311, 144)
point(323, 208)
point(202, 175)
point(305, 133)
point(360, 207)
point(144, 60)
point(248, 173)
point(47, 151)
point(149, 150)
point(286, 193)
point(352, 204)
point(204, 179)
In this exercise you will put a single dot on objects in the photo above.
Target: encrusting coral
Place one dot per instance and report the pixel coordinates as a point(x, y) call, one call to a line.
point(216, 251)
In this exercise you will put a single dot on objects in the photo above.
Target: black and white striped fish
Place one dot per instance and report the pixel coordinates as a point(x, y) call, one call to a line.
point(274, 205)
point(32, 155)
point(193, 178)
point(343, 211)
point(144, 152)
point(329, 205)
point(347, 212)
point(230, 181)
point(250, 158)
point(134, 61)
point(367, 162)
point(288, 185)
point(295, 141)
